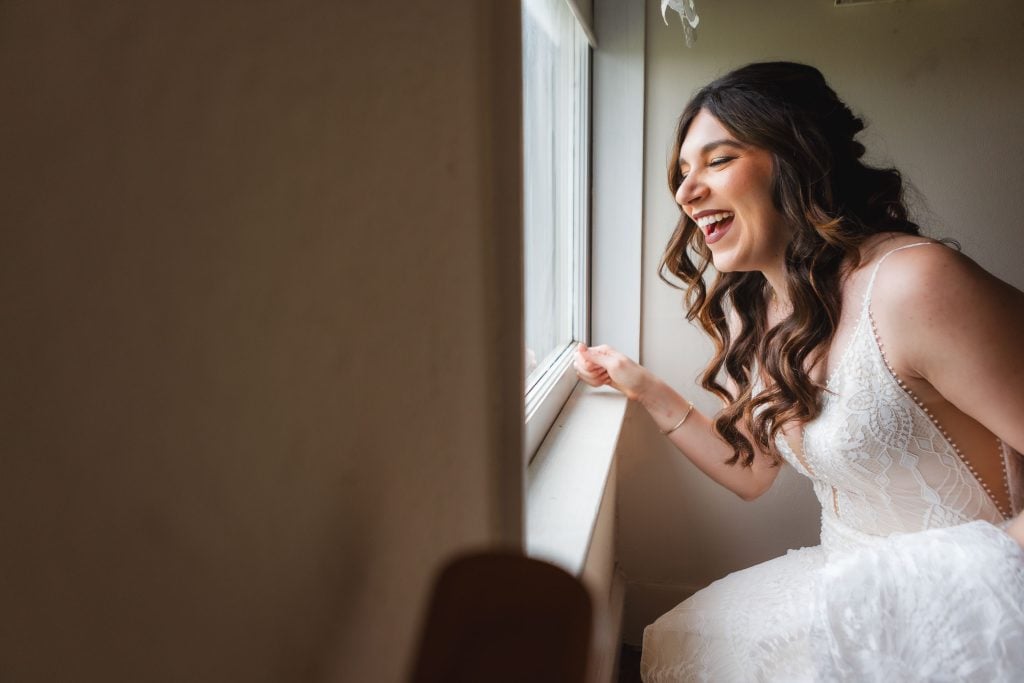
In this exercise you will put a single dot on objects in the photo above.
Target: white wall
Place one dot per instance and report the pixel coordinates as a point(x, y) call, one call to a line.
point(940, 84)
point(260, 285)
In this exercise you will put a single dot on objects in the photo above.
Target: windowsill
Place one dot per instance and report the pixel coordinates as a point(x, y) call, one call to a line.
point(566, 480)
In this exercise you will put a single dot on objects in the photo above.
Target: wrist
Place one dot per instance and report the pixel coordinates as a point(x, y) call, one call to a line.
point(663, 403)
point(649, 390)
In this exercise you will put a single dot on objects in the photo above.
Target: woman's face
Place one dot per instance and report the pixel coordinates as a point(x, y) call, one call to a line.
point(727, 191)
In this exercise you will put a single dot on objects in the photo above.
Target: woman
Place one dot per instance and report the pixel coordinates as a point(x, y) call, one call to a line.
point(883, 365)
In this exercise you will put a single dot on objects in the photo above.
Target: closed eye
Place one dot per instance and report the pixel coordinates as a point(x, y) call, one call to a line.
point(717, 161)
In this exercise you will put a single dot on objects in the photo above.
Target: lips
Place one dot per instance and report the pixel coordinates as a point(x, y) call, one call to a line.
point(714, 231)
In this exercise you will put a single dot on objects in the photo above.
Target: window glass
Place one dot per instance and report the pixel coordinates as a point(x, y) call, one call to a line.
point(556, 113)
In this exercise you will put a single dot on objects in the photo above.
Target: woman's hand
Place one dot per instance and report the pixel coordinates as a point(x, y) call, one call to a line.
point(696, 438)
point(600, 365)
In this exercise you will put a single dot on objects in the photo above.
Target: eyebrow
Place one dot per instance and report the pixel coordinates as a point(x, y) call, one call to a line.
point(724, 142)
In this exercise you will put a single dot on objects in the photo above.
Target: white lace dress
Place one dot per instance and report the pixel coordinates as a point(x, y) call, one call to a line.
point(914, 580)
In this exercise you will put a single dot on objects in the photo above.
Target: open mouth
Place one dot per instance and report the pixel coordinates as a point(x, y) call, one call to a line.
point(715, 225)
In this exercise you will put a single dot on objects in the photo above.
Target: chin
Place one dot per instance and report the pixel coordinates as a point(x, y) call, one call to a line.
point(722, 263)
point(726, 264)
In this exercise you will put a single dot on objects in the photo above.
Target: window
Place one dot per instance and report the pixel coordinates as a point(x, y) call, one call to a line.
point(556, 165)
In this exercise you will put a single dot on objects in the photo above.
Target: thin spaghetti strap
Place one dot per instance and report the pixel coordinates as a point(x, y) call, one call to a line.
point(874, 273)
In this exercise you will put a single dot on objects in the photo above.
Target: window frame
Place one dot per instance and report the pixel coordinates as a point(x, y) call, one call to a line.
point(570, 480)
point(546, 396)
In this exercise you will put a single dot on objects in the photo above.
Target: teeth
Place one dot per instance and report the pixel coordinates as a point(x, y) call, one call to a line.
point(705, 221)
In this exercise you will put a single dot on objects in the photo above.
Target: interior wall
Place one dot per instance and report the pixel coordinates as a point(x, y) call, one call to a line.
point(940, 85)
point(260, 280)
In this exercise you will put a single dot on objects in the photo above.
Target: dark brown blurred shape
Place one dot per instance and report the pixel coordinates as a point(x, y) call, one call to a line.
point(503, 618)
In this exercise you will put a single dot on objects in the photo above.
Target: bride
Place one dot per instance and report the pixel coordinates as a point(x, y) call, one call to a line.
point(884, 366)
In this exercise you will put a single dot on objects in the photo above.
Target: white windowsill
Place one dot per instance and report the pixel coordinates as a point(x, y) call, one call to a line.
point(566, 480)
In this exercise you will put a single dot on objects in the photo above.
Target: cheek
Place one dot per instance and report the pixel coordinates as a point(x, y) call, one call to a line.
point(752, 198)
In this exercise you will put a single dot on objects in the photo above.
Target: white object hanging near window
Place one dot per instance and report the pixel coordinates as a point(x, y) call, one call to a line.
point(687, 11)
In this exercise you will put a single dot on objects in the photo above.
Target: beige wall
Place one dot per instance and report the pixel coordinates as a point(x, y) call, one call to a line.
point(257, 263)
point(940, 85)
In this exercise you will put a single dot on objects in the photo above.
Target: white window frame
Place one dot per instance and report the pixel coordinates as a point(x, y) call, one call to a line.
point(570, 479)
point(552, 388)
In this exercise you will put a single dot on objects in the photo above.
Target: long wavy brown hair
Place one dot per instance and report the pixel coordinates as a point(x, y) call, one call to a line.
point(831, 199)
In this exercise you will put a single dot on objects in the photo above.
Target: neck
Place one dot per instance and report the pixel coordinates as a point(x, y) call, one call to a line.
point(777, 282)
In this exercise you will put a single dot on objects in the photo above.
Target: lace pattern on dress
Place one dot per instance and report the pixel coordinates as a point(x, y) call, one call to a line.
point(877, 455)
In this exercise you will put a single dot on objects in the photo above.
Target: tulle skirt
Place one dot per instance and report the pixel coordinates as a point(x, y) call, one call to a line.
point(937, 605)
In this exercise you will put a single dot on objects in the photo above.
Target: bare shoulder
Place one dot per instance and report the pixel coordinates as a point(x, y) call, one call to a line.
point(935, 280)
point(935, 307)
point(953, 331)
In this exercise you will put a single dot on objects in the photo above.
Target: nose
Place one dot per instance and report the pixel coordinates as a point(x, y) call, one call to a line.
point(690, 191)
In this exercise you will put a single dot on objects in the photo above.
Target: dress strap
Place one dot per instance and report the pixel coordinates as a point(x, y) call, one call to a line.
point(874, 272)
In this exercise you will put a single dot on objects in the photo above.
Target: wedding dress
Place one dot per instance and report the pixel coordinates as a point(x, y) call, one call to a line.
point(915, 578)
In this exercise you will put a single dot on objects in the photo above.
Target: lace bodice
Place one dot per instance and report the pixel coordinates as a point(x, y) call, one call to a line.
point(879, 461)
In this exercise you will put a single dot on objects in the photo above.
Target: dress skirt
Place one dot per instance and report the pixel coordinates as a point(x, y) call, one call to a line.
point(937, 605)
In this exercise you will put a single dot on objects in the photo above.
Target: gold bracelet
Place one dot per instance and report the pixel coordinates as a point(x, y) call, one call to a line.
point(679, 424)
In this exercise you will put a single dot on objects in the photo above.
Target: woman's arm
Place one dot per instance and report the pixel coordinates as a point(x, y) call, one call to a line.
point(696, 438)
point(947, 321)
